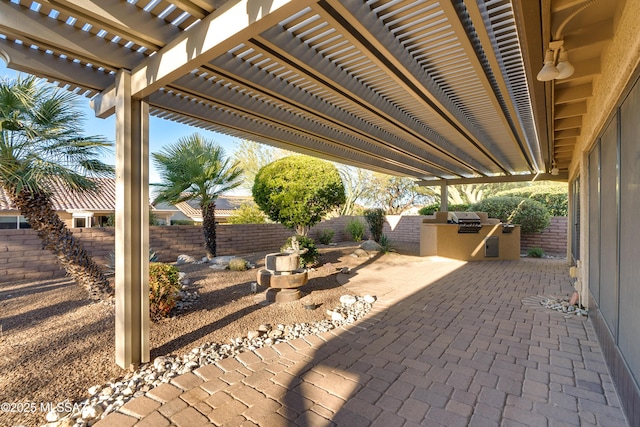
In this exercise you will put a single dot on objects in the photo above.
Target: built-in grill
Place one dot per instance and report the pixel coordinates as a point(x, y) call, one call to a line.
point(468, 222)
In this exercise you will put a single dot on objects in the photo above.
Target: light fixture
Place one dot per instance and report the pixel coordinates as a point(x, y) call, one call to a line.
point(565, 69)
point(554, 170)
point(551, 71)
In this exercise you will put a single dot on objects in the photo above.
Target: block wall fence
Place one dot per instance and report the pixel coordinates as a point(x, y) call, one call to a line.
point(22, 257)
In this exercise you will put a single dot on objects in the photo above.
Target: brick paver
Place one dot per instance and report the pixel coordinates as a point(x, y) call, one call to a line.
point(447, 343)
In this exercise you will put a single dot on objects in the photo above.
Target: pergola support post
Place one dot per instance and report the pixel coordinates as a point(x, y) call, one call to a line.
point(132, 225)
point(444, 196)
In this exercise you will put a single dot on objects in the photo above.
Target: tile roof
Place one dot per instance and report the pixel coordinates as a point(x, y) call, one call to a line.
point(225, 205)
point(64, 200)
point(105, 200)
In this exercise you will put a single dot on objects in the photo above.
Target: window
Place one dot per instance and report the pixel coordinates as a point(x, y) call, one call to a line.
point(79, 222)
point(8, 222)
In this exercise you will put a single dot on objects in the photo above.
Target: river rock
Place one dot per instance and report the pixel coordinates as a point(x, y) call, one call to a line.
point(185, 259)
point(347, 299)
point(369, 299)
point(92, 412)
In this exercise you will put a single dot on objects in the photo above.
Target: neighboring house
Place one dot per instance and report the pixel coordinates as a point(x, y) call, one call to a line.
point(77, 210)
point(191, 211)
point(84, 210)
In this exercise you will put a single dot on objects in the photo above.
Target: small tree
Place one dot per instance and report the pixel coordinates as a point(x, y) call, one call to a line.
point(297, 191)
point(195, 168)
point(375, 219)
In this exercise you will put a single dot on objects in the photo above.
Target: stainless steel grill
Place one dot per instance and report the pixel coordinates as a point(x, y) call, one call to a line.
point(468, 222)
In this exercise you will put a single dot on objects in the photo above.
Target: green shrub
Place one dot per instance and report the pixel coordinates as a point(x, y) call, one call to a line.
point(308, 258)
point(325, 236)
point(237, 264)
point(247, 213)
point(355, 229)
point(429, 209)
point(532, 216)
point(553, 196)
point(375, 219)
point(164, 285)
point(434, 207)
point(535, 252)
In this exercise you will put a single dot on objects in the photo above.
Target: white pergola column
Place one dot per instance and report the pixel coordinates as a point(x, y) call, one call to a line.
point(132, 225)
point(444, 196)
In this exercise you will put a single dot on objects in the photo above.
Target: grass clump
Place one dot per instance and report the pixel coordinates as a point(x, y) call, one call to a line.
point(325, 236)
point(355, 229)
point(237, 264)
point(535, 252)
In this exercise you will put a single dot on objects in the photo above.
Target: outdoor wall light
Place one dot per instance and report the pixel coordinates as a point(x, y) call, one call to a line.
point(551, 71)
point(554, 170)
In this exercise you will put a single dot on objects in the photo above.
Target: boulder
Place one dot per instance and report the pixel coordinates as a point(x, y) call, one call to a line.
point(371, 245)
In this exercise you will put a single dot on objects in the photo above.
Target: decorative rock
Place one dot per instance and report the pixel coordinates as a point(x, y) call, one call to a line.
point(94, 390)
point(359, 253)
point(369, 299)
point(185, 259)
point(219, 267)
point(265, 327)
point(159, 363)
point(253, 334)
point(371, 245)
point(347, 300)
point(52, 416)
point(335, 316)
point(276, 333)
point(182, 278)
point(345, 270)
point(92, 412)
point(205, 259)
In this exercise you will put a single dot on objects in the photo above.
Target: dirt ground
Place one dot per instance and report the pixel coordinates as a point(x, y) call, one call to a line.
point(56, 344)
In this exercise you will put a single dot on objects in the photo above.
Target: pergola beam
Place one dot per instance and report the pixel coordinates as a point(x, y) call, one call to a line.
point(34, 28)
point(222, 30)
point(54, 68)
point(562, 177)
point(119, 17)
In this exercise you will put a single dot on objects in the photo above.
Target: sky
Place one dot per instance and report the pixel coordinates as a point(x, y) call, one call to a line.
point(161, 132)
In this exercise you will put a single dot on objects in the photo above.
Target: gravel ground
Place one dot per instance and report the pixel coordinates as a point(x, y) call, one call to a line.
point(56, 344)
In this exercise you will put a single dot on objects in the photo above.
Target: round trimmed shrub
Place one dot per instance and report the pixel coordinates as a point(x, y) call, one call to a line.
point(532, 216)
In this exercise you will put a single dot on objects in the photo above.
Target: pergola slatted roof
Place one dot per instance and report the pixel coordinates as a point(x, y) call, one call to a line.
point(426, 89)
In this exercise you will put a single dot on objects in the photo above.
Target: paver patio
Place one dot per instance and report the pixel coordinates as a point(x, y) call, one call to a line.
point(447, 343)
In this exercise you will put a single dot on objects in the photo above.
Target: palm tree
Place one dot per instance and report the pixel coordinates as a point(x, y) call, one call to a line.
point(41, 145)
point(195, 168)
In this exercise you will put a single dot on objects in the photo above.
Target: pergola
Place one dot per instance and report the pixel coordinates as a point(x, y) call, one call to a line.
point(443, 91)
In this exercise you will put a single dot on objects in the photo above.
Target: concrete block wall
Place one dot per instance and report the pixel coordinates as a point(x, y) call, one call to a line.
point(22, 257)
point(396, 227)
point(552, 240)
